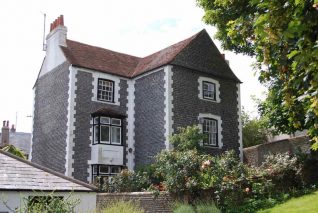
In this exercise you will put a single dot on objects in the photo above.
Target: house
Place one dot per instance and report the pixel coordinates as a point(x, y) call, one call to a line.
point(97, 111)
point(21, 140)
point(21, 180)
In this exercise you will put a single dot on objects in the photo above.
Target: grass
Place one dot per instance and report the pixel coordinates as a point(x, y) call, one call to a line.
point(198, 208)
point(122, 207)
point(307, 203)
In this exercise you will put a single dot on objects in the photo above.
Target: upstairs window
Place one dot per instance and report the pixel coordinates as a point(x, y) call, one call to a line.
point(105, 90)
point(107, 130)
point(210, 128)
point(209, 91)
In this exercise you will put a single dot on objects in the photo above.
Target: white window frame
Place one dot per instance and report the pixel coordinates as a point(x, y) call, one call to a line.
point(100, 91)
point(98, 124)
point(201, 81)
point(211, 141)
point(103, 175)
point(201, 118)
point(106, 76)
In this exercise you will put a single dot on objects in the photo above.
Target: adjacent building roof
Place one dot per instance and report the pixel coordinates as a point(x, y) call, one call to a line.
point(108, 61)
point(21, 140)
point(17, 174)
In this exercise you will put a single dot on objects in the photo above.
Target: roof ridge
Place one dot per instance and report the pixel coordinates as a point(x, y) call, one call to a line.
point(102, 48)
point(49, 171)
point(187, 41)
point(121, 64)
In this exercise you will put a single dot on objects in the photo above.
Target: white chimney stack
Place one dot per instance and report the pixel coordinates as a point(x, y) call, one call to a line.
point(55, 39)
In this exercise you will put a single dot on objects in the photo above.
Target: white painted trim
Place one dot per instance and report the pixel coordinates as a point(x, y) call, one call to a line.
point(220, 130)
point(116, 79)
point(217, 88)
point(69, 161)
point(240, 134)
point(131, 124)
point(168, 105)
point(33, 108)
point(151, 72)
point(89, 162)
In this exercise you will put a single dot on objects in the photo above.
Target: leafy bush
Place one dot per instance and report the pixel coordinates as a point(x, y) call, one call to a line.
point(180, 170)
point(127, 181)
point(50, 203)
point(188, 138)
point(122, 207)
point(279, 168)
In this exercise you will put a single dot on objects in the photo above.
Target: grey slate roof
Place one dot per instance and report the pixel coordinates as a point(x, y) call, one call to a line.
point(17, 174)
point(21, 140)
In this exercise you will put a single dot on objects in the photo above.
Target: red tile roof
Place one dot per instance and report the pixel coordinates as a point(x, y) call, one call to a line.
point(108, 61)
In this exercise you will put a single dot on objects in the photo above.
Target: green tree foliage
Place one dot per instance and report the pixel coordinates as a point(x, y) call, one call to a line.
point(254, 130)
point(188, 138)
point(282, 35)
point(14, 150)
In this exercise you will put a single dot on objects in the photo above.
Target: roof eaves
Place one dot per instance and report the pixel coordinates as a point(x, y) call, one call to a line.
point(93, 188)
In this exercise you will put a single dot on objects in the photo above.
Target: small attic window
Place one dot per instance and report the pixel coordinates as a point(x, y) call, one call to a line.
point(105, 90)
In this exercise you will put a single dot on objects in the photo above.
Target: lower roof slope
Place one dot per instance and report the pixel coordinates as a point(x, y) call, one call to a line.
point(17, 174)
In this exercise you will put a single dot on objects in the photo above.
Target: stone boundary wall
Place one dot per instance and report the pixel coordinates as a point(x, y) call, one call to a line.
point(146, 200)
point(255, 155)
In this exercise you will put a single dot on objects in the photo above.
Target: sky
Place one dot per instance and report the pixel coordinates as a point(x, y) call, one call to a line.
point(138, 27)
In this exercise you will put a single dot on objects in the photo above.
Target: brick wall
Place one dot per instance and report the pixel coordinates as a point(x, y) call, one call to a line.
point(149, 117)
point(50, 119)
point(146, 200)
point(255, 155)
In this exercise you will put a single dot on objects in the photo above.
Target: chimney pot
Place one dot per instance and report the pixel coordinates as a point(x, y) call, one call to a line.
point(62, 20)
point(223, 55)
point(12, 128)
point(5, 134)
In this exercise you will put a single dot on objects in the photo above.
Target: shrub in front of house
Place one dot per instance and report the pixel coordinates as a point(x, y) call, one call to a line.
point(127, 181)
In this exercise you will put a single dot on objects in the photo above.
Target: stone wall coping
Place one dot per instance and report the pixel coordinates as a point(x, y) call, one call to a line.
point(129, 193)
point(300, 138)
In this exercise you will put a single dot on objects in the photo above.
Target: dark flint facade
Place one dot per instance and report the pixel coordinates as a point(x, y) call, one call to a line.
point(190, 59)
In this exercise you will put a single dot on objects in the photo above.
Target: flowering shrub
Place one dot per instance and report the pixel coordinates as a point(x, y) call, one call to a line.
point(181, 170)
point(127, 181)
point(279, 168)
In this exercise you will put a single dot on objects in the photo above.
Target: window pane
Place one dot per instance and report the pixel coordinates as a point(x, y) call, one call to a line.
point(104, 120)
point(116, 121)
point(104, 135)
point(103, 169)
point(96, 133)
point(116, 135)
point(105, 90)
point(211, 130)
point(115, 169)
point(94, 169)
point(209, 90)
point(96, 120)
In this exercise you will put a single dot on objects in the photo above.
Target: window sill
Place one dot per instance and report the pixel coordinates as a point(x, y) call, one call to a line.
point(107, 144)
point(210, 100)
point(105, 102)
point(211, 147)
